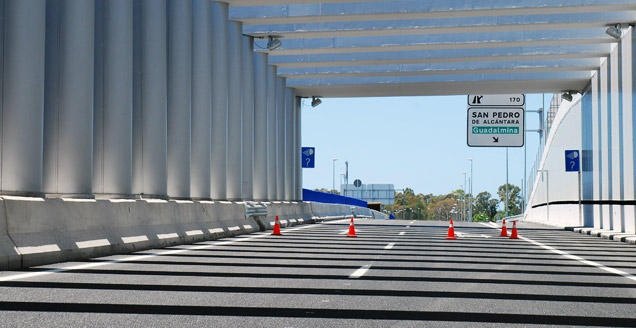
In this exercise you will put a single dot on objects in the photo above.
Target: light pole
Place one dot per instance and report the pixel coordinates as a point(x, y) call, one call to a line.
point(464, 189)
point(470, 192)
point(333, 178)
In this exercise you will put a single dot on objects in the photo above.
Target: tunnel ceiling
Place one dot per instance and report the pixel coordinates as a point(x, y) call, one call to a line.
point(334, 48)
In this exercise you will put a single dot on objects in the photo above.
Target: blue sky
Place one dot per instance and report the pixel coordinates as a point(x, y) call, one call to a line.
point(416, 142)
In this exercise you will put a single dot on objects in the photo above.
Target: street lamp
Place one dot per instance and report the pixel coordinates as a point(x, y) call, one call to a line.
point(470, 192)
point(333, 186)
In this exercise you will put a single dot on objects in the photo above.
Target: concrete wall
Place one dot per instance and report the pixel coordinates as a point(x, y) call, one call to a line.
point(553, 184)
point(600, 123)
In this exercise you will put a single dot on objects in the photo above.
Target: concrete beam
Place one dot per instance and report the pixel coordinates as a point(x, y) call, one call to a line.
point(441, 88)
point(278, 11)
point(556, 23)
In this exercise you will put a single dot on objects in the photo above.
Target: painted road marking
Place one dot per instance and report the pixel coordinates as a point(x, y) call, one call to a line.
point(576, 258)
point(360, 272)
point(402, 233)
point(389, 246)
point(467, 235)
point(140, 257)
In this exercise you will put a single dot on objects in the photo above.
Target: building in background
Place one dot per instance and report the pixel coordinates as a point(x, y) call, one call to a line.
point(371, 193)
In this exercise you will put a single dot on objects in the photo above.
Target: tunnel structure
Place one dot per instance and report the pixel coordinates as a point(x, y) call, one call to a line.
point(128, 124)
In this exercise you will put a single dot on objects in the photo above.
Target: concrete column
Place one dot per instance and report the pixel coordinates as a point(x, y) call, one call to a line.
point(220, 75)
point(22, 96)
point(629, 133)
point(150, 98)
point(616, 138)
point(112, 120)
point(290, 99)
point(299, 143)
point(596, 141)
point(295, 147)
point(68, 109)
point(272, 134)
point(201, 100)
point(247, 70)
point(261, 143)
point(280, 144)
point(235, 114)
point(605, 146)
point(179, 97)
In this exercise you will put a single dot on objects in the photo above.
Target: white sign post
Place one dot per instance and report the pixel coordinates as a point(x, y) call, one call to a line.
point(496, 120)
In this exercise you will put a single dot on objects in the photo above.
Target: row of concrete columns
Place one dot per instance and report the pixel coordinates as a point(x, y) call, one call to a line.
point(161, 98)
point(611, 179)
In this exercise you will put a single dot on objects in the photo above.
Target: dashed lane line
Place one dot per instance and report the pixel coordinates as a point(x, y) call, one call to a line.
point(360, 272)
point(573, 257)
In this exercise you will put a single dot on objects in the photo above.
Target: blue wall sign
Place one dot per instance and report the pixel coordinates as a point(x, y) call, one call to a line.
point(308, 157)
point(572, 161)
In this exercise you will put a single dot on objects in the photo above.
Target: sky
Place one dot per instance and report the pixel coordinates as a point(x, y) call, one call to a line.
point(414, 142)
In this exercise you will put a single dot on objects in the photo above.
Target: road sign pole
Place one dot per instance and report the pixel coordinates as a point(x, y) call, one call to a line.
point(580, 205)
point(506, 210)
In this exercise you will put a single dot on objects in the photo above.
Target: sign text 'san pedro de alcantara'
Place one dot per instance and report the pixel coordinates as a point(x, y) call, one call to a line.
point(495, 121)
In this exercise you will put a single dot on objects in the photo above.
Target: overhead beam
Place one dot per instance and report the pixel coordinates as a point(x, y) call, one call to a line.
point(442, 88)
point(282, 12)
point(423, 42)
point(445, 68)
point(439, 78)
point(443, 56)
point(556, 21)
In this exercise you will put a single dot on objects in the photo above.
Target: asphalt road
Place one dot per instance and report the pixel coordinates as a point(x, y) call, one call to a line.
point(394, 274)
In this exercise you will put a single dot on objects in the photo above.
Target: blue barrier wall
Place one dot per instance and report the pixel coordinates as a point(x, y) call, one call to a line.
point(322, 197)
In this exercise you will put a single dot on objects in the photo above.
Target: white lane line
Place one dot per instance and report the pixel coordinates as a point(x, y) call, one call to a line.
point(577, 258)
point(140, 257)
point(580, 259)
point(360, 272)
point(389, 246)
point(402, 233)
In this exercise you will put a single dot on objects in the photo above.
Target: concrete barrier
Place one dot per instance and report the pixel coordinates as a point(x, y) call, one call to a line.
point(37, 231)
point(53, 230)
point(289, 213)
point(9, 256)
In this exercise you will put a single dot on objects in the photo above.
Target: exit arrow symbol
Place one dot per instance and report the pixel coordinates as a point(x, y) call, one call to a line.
point(495, 139)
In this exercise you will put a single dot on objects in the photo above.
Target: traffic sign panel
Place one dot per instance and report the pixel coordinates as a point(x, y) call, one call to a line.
point(507, 100)
point(308, 157)
point(495, 127)
point(572, 161)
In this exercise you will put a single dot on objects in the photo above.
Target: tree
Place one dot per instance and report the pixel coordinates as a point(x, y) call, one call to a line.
point(514, 198)
point(443, 207)
point(485, 205)
point(328, 191)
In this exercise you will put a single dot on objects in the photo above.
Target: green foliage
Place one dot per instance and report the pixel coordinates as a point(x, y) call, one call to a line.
point(328, 191)
point(485, 205)
point(481, 217)
point(411, 206)
point(514, 198)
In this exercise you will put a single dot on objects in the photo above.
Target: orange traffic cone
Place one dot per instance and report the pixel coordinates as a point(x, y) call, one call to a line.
point(513, 235)
point(504, 229)
point(276, 230)
point(352, 229)
point(451, 231)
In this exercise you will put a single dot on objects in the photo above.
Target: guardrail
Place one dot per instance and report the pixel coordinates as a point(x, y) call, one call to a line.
point(519, 217)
